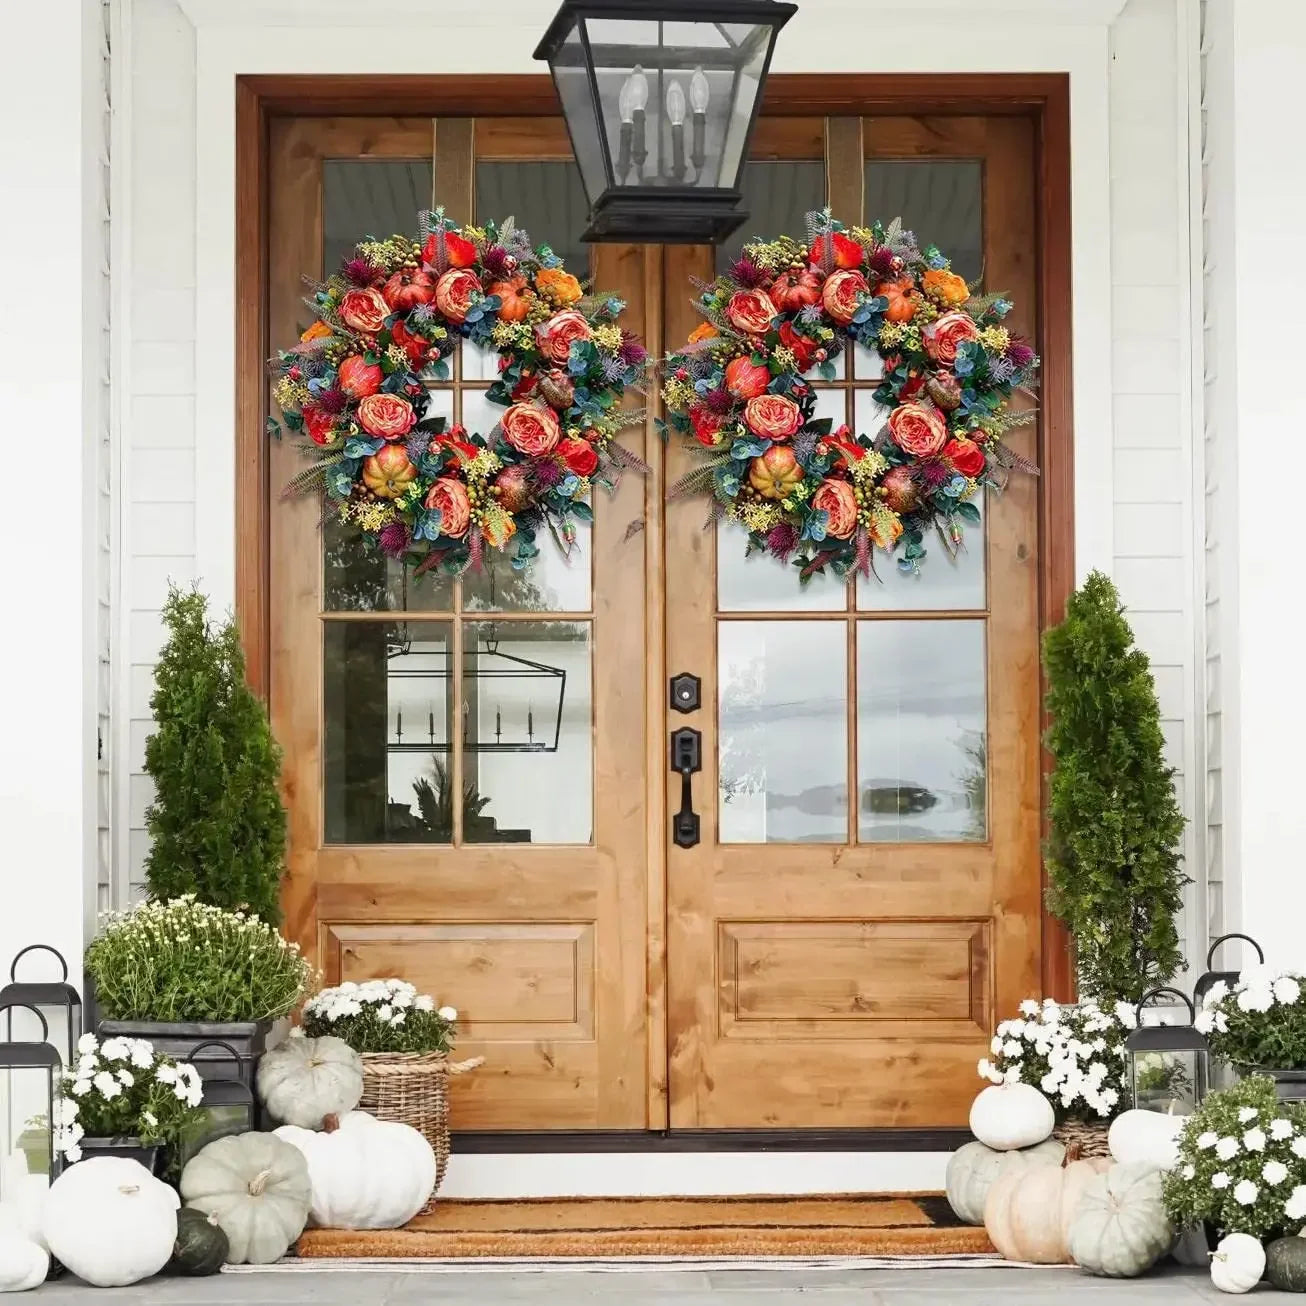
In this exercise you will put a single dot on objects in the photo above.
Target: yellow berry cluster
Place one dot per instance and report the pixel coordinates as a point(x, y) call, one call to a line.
point(389, 254)
point(757, 515)
point(995, 339)
point(607, 336)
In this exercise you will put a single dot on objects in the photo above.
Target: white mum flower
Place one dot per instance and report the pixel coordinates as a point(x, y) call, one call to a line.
point(398, 1018)
point(1247, 1113)
point(384, 1012)
point(150, 1119)
point(81, 1088)
point(1189, 1172)
point(448, 1013)
point(1012, 1049)
point(1298, 1146)
point(166, 1074)
point(1295, 1207)
point(424, 1002)
point(1255, 1140)
point(1029, 1007)
point(1207, 1140)
point(1245, 1193)
point(995, 1046)
point(1280, 1129)
point(126, 1078)
point(142, 1056)
point(1286, 989)
point(87, 1043)
point(1226, 1148)
point(1255, 1000)
point(1126, 1015)
point(1011, 1076)
point(115, 1049)
point(1204, 1022)
point(106, 1085)
point(1274, 1172)
point(1221, 1180)
point(73, 1153)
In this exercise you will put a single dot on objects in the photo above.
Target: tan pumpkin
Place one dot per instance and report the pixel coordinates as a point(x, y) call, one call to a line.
point(1028, 1212)
point(775, 473)
point(388, 473)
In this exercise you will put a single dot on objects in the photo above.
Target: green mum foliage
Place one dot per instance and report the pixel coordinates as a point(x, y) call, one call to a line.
point(1115, 825)
point(217, 824)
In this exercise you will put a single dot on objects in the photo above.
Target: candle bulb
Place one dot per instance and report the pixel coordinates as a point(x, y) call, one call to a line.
point(699, 95)
point(530, 723)
point(676, 113)
point(498, 725)
point(399, 727)
point(431, 724)
point(637, 86)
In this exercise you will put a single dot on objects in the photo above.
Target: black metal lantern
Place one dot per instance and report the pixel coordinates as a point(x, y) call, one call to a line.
point(39, 994)
point(1207, 981)
point(228, 1103)
point(43, 1058)
point(660, 98)
point(1169, 1065)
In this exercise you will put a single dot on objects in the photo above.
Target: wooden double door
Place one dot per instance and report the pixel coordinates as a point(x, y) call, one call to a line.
point(478, 771)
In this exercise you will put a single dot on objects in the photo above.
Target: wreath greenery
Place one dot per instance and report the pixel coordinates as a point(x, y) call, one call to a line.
point(353, 392)
point(783, 312)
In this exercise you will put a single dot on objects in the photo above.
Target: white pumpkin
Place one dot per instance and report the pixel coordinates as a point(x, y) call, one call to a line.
point(1146, 1138)
point(22, 1195)
point(110, 1221)
point(257, 1187)
point(1120, 1228)
point(23, 1264)
point(307, 1079)
point(974, 1169)
point(1238, 1263)
point(366, 1174)
point(1007, 1117)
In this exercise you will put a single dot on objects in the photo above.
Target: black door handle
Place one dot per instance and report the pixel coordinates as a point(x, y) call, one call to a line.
point(686, 758)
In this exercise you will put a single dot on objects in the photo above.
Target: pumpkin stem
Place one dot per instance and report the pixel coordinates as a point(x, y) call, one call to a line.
point(259, 1183)
point(1073, 1153)
point(128, 1189)
point(330, 1123)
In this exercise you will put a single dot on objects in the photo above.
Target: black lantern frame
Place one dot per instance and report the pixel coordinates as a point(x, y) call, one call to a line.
point(224, 1094)
point(1210, 978)
point(677, 191)
point(31, 1055)
point(1169, 1040)
point(36, 994)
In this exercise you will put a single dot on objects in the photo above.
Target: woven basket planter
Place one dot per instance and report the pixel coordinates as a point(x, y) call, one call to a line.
point(412, 1088)
point(1091, 1137)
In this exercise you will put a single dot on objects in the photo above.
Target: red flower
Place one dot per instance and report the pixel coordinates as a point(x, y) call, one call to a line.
point(705, 424)
point(358, 377)
point(415, 346)
point(319, 425)
point(803, 349)
point(364, 310)
point(745, 378)
point(579, 456)
point(965, 455)
point(388, 416)
point(848, 252)
point(750, 311)
point(458, 250)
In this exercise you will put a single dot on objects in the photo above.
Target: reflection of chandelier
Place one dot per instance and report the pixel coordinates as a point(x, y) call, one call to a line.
point(486, 666)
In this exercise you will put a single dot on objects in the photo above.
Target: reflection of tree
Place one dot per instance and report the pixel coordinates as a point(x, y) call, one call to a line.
point(433, 820)
point(739, 759)
point(974, 781)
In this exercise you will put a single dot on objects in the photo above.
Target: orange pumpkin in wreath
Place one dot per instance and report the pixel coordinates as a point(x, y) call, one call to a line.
point(514, 298)
point(902, 307)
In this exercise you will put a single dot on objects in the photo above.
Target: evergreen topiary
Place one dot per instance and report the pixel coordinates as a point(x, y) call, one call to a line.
point(1115, 825)
point(217, 823)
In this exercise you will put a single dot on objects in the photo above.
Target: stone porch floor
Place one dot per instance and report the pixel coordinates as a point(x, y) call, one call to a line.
point(723, 1287)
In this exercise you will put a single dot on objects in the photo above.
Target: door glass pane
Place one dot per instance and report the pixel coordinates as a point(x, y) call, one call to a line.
point(358, 577)
point(778, 195)
point(941, 200)
point(921, 731)
point(554, 582)
point(528, 732)
point(547, 200)
point(370, 197)
point(757, 582)
point(946, 584)
point(386, 736)
point(783, 755)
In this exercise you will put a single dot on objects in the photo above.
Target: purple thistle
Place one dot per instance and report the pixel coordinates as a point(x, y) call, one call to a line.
point(333, 400)
point(417, 445)
point(394, 539)
point(931, 473)
point(358, 271)
point(746, 272)
point(781, 540)
point(1019, 354)
point(880, 262)
point(631, 350)
point(497, 261)
point(719, 400)
point(548, 474)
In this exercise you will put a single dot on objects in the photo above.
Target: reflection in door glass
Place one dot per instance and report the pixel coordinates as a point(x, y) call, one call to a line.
point(387, 767)
point(547, 201)
point(364, 198)
point(941, 200)
point(778, 195)
point(922, 766)
point(528, 732)
point(783, 768)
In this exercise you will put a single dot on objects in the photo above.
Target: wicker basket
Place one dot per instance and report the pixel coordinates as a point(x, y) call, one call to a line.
point(412, 1088)
point(1091, 1137)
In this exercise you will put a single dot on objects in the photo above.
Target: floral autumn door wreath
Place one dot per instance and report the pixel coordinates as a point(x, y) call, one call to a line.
point(391, 316)
point(783, 312)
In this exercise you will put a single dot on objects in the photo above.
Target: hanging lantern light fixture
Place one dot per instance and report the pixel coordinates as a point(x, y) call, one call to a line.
point(660, 98)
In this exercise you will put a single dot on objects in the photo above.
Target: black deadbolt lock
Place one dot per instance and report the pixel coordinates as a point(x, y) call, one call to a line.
point(686, 692)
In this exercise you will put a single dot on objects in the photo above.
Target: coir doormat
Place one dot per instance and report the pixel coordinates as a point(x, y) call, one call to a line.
point(879, 1224)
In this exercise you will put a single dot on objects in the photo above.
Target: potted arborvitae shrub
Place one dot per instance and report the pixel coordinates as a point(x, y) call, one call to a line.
point(1114, 823)
point(203, 960)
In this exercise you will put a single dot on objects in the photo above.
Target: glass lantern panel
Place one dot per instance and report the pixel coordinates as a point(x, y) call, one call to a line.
point(1166, 1081)
point(571, 77)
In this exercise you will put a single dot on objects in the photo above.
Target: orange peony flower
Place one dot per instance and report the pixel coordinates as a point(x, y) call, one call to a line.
point(838, 501)
point(945, 334)
point(318, 331)
point(559, 286)
point(448, 497)
point(703, 331)
point(945, 287)
point(842, 295)
point(773, 417)
point(917, 429)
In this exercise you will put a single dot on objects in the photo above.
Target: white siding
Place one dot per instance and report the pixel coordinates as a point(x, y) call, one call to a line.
point(1154, 563)
point(104, 518)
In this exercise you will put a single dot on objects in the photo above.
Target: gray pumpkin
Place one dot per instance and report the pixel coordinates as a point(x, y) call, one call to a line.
point(1285, 1264)
point(975, 1168)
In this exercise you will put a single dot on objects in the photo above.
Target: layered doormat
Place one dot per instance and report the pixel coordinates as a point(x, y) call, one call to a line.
point(871, 1224)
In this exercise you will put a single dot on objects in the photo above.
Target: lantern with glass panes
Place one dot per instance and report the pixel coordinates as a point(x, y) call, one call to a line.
point(228, 1103)
point(1169, 1064)
point(46, 996)
point(31, 1107)
point(660, 98)
point(1210, 978)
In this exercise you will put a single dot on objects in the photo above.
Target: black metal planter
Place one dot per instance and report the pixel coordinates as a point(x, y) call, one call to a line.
point(150, 1155)
point(1290, 1085)
point(187, 1040)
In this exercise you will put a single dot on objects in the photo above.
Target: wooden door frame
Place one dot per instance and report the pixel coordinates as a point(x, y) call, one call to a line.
point(1043, 97)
